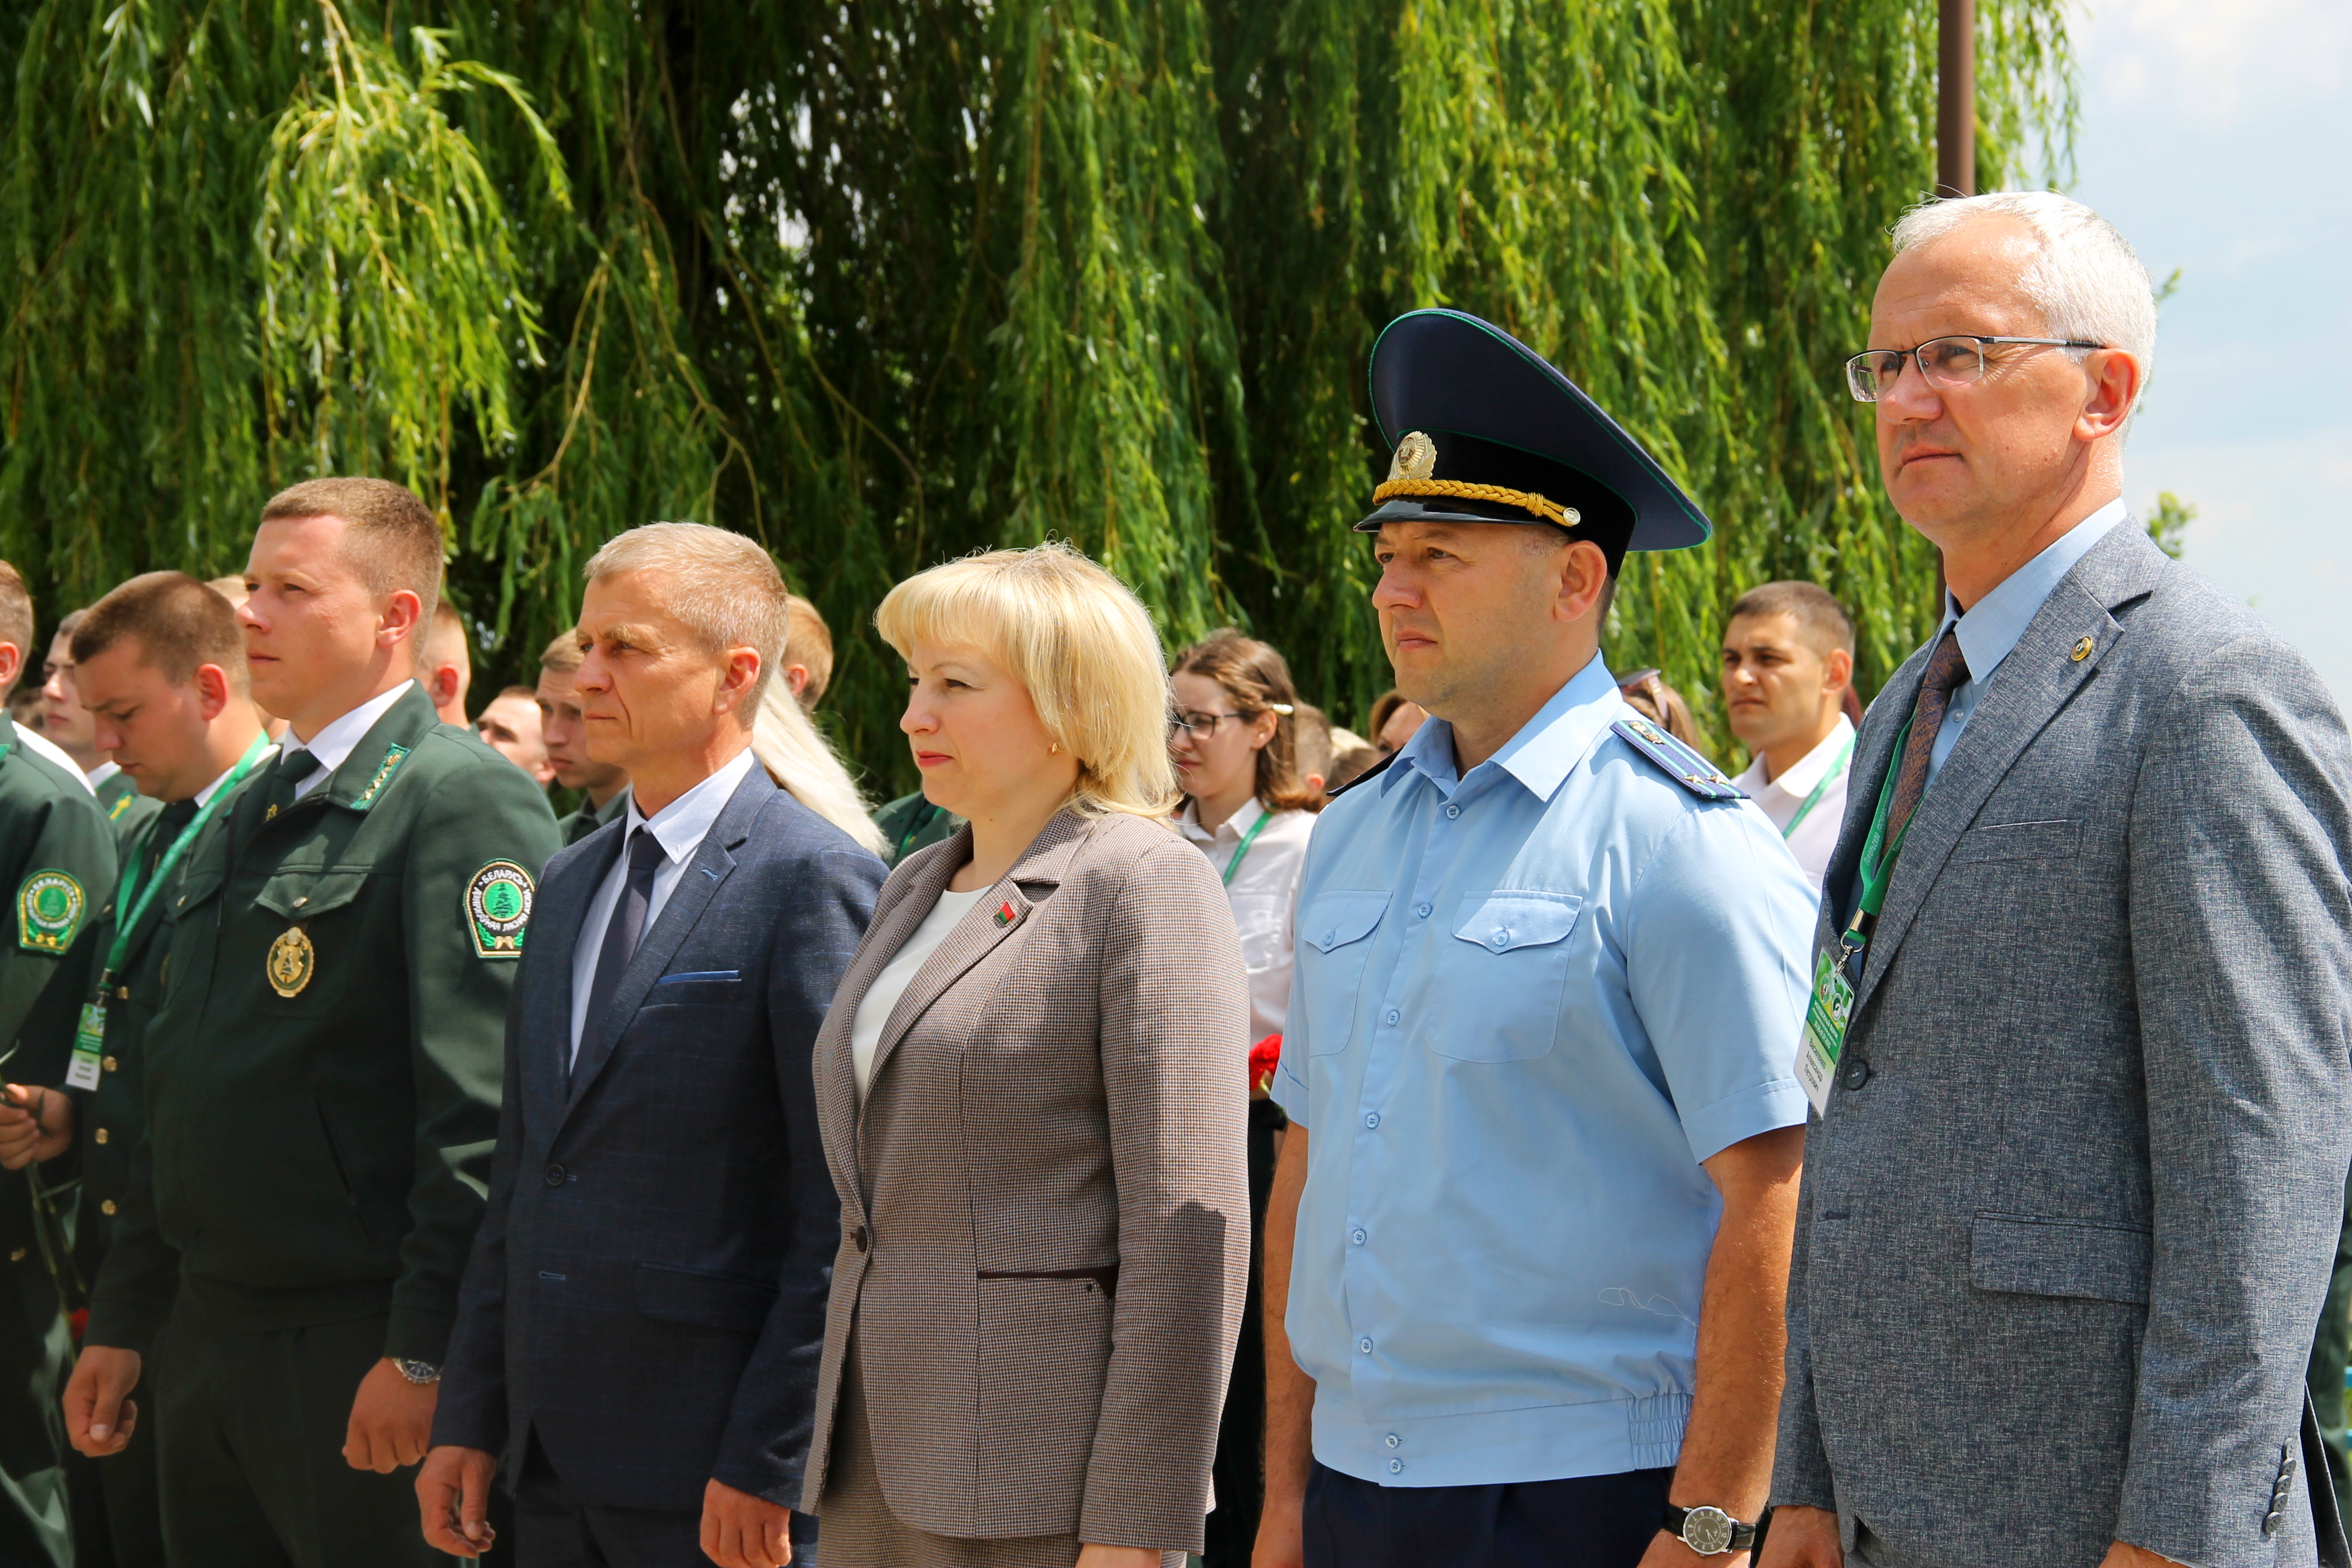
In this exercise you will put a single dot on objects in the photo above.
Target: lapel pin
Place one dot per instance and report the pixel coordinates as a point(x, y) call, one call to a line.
point(2081, 650)
point(1005, 915)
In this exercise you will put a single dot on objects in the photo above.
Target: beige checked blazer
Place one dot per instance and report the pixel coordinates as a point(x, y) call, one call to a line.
point(1045, 1221)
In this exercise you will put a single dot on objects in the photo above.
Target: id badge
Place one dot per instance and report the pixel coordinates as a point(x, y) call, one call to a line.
point(1826, 1013)
point(89, 1044)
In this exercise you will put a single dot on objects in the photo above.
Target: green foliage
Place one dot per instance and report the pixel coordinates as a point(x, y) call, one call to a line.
point(2168, 524)
point(881, 284)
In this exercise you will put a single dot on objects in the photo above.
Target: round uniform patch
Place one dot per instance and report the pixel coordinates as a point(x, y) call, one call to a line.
point(50, 907)
point(292, 961)
point(497, 909)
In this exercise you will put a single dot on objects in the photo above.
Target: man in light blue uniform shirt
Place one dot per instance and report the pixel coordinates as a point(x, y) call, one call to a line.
point(1528, 1237)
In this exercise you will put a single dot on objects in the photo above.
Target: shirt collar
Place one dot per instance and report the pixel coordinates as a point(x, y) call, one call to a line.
point(1543, 752)
point(337, 738)
point(1809, 769)
point(684, 822)
point(1234, 827)
point(205, 795)
point(1992, 625)
point(101, 773)
point(41, 745)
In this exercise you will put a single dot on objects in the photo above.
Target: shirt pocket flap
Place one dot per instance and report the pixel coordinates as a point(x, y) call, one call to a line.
point(703, 1299)
point(300, 895)
point(2029, 1256)
point(2019, 841)
point(1335, 920)
point(1505, 922)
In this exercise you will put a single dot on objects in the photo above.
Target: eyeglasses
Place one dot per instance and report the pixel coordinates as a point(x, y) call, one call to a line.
point(1945, 361)
point(1201, 725)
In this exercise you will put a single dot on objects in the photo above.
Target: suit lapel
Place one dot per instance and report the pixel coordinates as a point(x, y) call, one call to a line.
point(2040, 677)
point(563, 909)
point(1873, 754)
point(698, 884)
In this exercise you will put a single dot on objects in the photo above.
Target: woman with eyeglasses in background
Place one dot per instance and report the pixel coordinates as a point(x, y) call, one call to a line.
point(1235, 741)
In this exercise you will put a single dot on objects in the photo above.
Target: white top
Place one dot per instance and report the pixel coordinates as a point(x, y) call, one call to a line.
point(1817, 836)
point(1263, 894)
point(337, 738)
point(55, 753)
point(679, 828)
point(881, 998)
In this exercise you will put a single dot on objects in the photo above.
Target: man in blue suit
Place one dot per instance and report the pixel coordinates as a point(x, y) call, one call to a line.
point(638, 1332)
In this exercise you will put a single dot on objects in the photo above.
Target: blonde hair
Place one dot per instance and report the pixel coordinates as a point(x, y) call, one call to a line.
point(725, 590)
point(1078, 641)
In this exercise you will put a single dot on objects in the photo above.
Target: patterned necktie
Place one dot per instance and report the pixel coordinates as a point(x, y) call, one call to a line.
point(1948, 666)
point(626, 926)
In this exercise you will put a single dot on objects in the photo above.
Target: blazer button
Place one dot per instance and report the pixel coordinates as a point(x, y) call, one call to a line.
point(1857, 1073)
point(555, 1175)
point(862, 1239)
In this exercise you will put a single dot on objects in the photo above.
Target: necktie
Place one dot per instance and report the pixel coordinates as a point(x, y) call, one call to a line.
point(1948, 666)
point(292, 768)
point(170, 823)
point(627, 924)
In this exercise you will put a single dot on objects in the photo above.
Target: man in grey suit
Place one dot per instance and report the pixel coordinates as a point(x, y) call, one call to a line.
point(2078, 1037)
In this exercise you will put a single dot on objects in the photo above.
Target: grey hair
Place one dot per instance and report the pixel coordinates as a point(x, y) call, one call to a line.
point(725, 590)
point(2088, 282)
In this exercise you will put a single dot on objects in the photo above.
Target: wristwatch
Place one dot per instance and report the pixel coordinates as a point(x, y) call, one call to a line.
point(418, 1372)
point(1708, 1531)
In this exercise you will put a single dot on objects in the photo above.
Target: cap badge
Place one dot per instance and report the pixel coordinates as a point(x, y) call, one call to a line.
point(292, 961)
point(1416, 458)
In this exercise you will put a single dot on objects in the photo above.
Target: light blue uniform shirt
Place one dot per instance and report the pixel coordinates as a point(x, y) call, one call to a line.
point(1529, 1002)
point(1991, 627)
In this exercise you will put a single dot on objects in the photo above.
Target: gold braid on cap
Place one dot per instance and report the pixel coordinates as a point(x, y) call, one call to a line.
point(1412, 472)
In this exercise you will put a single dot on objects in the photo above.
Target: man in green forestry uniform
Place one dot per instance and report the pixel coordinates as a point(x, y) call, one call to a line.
point(323, 1071)
point(604, 786)
point(911, 823)
point(57, 858)
point(66, 722)
point(161, 667)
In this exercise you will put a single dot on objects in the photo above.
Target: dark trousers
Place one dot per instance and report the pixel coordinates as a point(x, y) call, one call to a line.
point(1588, 1521)
point(118, 1520)
point(34, 1531)
point(1238, 1474)
point(555, 1528)
point(249, 1452)
point(2328, 1355)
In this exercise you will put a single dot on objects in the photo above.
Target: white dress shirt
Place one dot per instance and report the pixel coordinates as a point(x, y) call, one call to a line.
point(1814, 838)
point(54, 753)
point(680, 827)
point(881, 998)
point(1262, 892)
point(337, 738)
point(101, 773)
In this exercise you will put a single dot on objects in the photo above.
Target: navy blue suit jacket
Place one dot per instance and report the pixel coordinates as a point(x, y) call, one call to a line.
point(648, 1289)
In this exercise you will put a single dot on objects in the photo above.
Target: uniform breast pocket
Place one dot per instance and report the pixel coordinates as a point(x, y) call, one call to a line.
point(1334, 935)
point(1496, 995)
point(309, 963)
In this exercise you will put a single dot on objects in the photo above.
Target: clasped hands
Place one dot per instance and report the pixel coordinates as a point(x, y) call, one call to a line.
point(36, 1125)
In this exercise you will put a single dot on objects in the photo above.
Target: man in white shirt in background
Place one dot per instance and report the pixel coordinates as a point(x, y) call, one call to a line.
point(1787, 660)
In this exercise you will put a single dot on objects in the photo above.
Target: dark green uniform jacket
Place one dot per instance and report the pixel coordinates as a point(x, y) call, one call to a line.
point(324, 1070)
point(588, 819)
point(129, 811)
point(57, 862)
point(911, 822)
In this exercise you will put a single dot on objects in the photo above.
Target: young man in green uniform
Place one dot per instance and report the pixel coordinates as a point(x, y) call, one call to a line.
point(66, 722)
point(57, 861)
point(159, 669)
point(323, 1071)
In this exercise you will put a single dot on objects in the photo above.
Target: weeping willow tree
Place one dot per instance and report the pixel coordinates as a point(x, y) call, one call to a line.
point(880, 284)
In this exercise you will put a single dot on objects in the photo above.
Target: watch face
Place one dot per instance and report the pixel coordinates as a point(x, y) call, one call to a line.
point(1708, 1530)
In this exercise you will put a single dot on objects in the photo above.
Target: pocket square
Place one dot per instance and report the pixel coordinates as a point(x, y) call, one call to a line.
point(721, 974)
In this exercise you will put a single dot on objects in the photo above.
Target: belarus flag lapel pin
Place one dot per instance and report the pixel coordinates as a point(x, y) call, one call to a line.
point(1006, 914)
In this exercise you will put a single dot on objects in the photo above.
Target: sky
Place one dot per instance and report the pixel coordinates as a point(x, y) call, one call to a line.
point(2217, 135)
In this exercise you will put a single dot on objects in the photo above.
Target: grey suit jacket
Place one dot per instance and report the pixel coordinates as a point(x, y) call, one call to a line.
point(2061, 1255)
point(1044, 1217)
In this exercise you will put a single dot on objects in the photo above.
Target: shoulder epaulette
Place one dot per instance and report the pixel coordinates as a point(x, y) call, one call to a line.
point(1682, 764)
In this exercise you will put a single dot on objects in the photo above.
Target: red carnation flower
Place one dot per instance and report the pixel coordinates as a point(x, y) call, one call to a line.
point(1263, 1057)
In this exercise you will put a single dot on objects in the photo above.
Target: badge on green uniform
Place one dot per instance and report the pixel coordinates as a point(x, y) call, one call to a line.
point(497, 909)
point(49, 907)
point(292, 961)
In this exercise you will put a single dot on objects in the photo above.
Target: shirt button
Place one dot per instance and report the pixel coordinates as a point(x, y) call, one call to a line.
point(1393, 1439)
point(555, 1175)
point(1395, 1014)
point(106, 1208)
point(111, 1065)
point(1371, 1118)
point(1357, 1235)
point(1500, 937)
point(1453, 811)
point(1421, 909)
point(1364, 1346)
point(1396, 1467)
point(101, 1135)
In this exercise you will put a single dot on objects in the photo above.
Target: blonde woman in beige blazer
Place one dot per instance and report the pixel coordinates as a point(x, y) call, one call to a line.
point(1033, 1089)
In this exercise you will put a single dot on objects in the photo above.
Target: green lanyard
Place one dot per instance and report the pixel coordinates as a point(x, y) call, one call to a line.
point(1234, 864)
point(127, 910)
point(1877, 869)
point(1828, 778)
